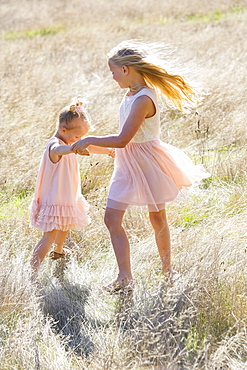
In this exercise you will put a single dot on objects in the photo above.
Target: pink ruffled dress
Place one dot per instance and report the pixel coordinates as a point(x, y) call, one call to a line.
point(58, 202)
point(147, 171)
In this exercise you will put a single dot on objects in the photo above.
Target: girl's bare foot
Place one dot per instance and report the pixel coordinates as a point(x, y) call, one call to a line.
point(55, 255)
point(119, 285)
point(166, 265)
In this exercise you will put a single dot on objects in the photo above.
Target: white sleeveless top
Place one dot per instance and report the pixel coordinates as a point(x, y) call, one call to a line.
point(148, 172)
point(150, 128)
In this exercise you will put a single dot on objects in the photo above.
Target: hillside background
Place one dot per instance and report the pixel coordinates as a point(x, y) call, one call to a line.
point(54, 51)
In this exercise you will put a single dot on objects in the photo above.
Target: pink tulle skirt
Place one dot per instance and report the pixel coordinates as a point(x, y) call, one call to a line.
point(151, 174)
point(47, 217)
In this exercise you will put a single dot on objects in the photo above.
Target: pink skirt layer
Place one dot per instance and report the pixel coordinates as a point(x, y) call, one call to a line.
point(151, 174)
point(60, 217)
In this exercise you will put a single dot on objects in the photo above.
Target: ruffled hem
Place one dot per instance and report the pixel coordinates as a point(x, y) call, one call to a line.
point(151, 174)
point(60, 217)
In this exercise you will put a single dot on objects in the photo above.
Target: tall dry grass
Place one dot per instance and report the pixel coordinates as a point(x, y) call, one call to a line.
point(49, 54)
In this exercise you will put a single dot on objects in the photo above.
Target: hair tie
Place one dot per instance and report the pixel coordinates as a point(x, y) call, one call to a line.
point(76, 108)
point(72, 108)
point(79, 107)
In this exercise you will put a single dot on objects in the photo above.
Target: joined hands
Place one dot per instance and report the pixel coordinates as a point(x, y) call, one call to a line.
point(81, 151)
point(80, 147)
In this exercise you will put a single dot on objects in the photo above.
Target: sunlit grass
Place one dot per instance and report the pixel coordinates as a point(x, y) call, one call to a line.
point(66, 322)
point(215, 16)
point(23, 34)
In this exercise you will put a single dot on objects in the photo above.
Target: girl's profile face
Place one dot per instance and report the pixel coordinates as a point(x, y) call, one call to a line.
point(80, 129)
point(119, 74)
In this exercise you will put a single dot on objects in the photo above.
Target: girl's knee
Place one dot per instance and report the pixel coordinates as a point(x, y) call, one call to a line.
point(49, 236)
point(112, 218)
point(158, 219)
point(108, 218)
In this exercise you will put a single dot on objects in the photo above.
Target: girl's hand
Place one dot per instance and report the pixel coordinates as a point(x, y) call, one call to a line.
point(79, 145)
point(112, 153)
point(82, 151)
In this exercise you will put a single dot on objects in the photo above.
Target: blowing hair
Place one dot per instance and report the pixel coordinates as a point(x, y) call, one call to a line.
point(172, 86)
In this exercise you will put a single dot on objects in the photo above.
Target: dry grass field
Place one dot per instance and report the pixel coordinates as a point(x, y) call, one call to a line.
point(53, 51)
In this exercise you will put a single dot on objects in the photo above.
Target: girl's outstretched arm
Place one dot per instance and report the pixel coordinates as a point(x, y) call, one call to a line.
point(143, 107)
point(56, 151)
point(94, 149)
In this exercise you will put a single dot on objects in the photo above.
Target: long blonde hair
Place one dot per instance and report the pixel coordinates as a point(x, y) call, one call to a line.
point(137, 55)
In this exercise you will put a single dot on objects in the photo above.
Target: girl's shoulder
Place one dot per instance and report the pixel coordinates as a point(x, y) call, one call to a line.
point(54, 140)
point(151, 93)
point(146, 91)
point(143, 91)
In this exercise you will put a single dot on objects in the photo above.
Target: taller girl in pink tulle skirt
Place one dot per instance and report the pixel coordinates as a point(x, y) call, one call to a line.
point(147, 171)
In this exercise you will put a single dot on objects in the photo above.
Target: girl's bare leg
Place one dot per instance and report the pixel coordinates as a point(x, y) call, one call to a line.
point(162, 237)
point(41, 249)
point(59, 241)
point(113, 221)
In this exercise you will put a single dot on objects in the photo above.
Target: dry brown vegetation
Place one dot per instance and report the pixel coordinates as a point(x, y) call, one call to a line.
point(53, 51)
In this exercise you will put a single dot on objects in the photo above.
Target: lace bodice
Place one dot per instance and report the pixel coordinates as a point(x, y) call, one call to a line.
point(150, 128)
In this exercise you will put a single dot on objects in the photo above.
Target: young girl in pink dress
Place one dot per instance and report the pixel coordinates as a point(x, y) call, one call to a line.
point(147, 171)
point(58, 205)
